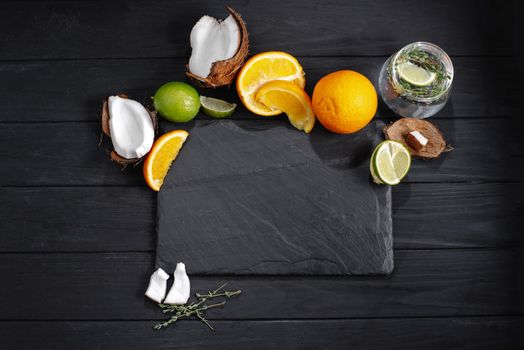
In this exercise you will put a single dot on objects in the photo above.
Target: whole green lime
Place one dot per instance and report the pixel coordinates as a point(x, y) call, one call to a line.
point(177, 101)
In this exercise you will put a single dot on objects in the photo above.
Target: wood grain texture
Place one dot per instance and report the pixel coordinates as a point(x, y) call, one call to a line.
point(79, 86)
point(457, 215)
point(77, 219)
point(68, 154)
point(100, 29)
point(111, 286)
point(60, 58)
point(466, 333)
point(107, 219)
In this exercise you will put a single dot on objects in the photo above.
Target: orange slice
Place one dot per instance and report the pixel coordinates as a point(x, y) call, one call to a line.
point(264, 67)
point(288, 97)
point(162, 154)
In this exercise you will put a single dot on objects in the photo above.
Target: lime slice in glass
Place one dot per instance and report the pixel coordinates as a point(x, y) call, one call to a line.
point(415, 75)
point(216, 108)
point(389, 163)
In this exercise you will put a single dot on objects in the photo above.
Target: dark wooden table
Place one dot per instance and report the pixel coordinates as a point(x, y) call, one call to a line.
point(77, 233)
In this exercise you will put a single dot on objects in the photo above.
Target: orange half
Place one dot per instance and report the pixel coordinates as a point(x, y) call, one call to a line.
point(161, 156)
point(264, 67)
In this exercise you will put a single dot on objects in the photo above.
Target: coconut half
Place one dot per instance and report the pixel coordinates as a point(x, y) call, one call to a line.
point(402, 128)
point(130, 126)
point(218, 49)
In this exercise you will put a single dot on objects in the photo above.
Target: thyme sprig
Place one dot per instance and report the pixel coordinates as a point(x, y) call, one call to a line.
point(196, 309)
point(429, 62)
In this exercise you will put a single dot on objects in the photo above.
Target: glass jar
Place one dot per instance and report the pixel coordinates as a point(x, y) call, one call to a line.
point(416, 81)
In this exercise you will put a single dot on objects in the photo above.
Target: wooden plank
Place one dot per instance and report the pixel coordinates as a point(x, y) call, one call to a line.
point(68, 154)
point(107, 219)
point(111, 286)
point(426, 333)
point(457, 215)
point(59, 154)
point(98, 29)
point(79, 86)
point(77, 219)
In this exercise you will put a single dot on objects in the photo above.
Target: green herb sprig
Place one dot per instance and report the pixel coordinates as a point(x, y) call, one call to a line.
point(195, 309)
point(430, 63)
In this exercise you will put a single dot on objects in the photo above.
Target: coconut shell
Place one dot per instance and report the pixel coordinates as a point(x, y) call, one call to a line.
point(224, 72)
point(104, 123)
point(399, 130)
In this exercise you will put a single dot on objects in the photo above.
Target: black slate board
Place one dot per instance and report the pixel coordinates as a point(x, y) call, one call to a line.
point(264, 198)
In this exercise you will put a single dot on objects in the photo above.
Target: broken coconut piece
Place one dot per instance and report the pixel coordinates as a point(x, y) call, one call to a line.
point(180, 291)
point(132, 131)
point(218, 49)
point(156, 290)
point(402, 129)
point(416, 140)
point(130, 126)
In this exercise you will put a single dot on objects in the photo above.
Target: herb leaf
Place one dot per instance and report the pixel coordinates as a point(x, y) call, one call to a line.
point(429, 62)
point(196, 309)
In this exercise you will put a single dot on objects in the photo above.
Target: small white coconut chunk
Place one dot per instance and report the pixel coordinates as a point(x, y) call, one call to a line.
point(211, 41)
point(157, 288)
point(179, 293)
point(420, 138)
point(132, 131)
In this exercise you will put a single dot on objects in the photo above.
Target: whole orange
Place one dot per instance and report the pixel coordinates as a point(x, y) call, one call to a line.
point(344, 101)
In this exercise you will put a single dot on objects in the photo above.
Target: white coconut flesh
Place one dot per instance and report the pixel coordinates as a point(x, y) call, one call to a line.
point(211, 41)
point(132, 131)
point(156, 290)
point(180, 291)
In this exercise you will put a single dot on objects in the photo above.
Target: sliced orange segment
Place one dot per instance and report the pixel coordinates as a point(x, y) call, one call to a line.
point(264, 67)
point(288, 97)
point(162, 154)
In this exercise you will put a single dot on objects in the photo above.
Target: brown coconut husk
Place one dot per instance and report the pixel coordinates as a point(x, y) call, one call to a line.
point(224, 72)
point(399, 130)
point(104, 123)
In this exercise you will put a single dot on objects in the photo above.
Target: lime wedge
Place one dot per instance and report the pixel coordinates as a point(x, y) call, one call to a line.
point(389, 163)
point(216, 108)
point(415, 75)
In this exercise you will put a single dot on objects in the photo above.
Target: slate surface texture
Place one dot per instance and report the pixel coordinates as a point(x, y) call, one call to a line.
point(246, 198)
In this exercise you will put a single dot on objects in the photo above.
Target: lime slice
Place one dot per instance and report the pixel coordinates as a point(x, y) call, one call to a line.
point(390, 162)
point(216, 108)
point(415, 75)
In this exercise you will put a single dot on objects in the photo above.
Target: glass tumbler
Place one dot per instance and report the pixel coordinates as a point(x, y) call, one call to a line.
point(416, 81)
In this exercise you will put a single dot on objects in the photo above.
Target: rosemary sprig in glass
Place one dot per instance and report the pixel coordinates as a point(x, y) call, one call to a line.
point(430, 63)
point(195, 309)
